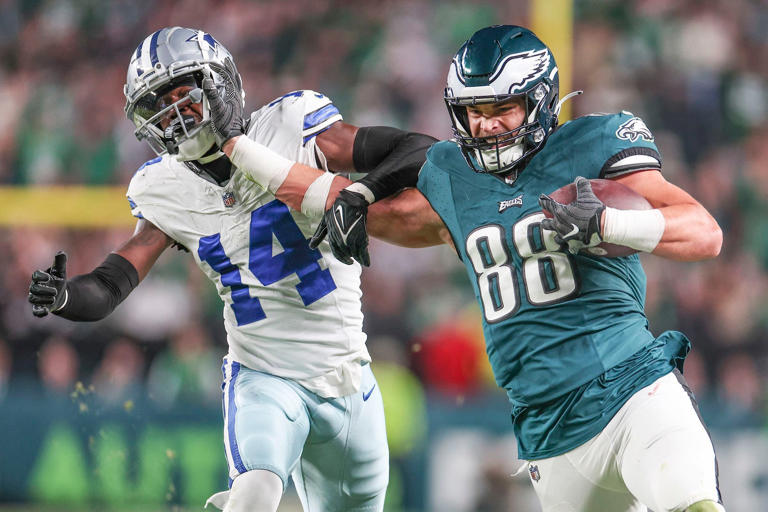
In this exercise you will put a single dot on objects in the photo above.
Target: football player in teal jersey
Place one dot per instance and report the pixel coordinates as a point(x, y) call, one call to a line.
point(600, 408)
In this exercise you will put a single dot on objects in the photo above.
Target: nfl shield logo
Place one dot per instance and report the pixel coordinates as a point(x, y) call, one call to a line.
point(229, 199)
point(534, 471)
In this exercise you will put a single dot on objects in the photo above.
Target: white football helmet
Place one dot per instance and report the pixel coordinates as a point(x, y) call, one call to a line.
point(166, 59)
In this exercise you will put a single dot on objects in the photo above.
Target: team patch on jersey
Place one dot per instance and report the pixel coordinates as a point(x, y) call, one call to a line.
point(229, 199)
point(509, 203)
point(633, 130)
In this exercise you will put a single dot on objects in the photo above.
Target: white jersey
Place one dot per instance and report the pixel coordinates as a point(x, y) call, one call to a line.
point(289, 310)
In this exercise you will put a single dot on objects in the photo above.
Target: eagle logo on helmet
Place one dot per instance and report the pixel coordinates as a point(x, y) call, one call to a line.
point(633, 130)
point(525, 67)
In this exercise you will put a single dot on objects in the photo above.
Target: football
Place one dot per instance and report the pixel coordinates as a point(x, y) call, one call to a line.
point(613, 194)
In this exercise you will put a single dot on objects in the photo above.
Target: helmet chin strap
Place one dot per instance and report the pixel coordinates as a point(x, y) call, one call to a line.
point(210, 158)
point(212, 167)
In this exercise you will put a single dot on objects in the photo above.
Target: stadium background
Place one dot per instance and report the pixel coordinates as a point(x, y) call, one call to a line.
point(124, 413)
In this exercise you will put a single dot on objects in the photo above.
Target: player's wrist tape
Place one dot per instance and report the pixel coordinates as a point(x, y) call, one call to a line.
point(363, 190)
point(260, 163)
point(313, 204)
point(639, 229)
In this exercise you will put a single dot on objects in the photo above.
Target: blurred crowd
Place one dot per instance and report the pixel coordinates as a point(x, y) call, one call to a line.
point(694, 70)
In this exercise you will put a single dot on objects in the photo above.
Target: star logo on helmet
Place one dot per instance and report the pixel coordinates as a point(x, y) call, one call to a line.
point(208, 38)
point(523, 68)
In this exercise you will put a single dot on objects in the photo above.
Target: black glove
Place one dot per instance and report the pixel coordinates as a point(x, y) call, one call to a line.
point(46, 293)
point(344, 223)
point(226, 113)
point(577, 224)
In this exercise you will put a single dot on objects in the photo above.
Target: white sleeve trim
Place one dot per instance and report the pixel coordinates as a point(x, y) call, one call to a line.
point(636, 161)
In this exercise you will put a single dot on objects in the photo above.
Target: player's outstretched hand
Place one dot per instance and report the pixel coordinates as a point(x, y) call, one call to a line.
point(344, 224)
point(46, 292)
point(226, 112)
point(577, 224)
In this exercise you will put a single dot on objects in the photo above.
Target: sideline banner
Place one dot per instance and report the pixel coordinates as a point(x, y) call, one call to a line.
point(62, 451)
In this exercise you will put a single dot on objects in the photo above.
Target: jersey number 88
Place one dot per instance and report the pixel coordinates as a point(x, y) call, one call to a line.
point(548, 276)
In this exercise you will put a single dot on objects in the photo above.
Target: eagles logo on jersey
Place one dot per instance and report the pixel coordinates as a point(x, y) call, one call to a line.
point(633, 130)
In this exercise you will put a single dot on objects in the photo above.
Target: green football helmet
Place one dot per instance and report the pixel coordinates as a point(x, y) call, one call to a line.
point(495, 65)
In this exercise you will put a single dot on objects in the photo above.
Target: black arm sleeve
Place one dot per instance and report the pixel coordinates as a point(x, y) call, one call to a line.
point(94, 295)
point(391, 157)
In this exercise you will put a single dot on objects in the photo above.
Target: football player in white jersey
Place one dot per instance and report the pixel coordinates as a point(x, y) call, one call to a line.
point(299, 397)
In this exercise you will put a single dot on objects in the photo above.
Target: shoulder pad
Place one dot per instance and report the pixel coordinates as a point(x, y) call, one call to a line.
point(142, 178)
point(627, 145)
point(444, 159)
point(149, 183)
point(313, 111)
point(442, 151)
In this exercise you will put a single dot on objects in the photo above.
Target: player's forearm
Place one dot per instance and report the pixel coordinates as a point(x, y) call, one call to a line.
point(680, 232)
point(93, 296)
point(406, 219)
point(690, 234)
point(258, 162)
point(301, 187)
point(309, 190)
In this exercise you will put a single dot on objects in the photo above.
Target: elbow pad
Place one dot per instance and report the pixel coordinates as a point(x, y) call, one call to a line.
point(95, 295)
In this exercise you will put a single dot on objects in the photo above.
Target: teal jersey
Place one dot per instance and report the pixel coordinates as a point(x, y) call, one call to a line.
point(554, 322)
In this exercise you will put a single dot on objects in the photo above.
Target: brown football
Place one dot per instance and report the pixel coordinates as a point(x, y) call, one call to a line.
point(613, 194)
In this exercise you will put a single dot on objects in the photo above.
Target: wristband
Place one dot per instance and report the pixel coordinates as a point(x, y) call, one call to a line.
point(639, 229)
point(363, 190)
point(264, 166)
point(313, 204)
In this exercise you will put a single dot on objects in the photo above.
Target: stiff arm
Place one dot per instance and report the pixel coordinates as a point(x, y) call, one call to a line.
point(406, 219)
